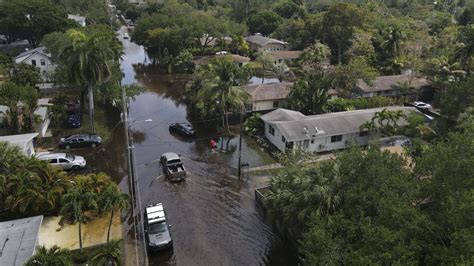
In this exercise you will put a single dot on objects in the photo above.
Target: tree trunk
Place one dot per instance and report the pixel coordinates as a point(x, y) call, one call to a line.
point(339, 54)
point(80, 236)
point(110, 225)
point(91, 108)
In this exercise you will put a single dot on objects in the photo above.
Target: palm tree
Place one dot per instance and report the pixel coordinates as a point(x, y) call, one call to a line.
point(88, 61)
point(110, 200)
point(222, 79)
point(54, 256)
point(108, 254)
point(385, 121)
point(466, 51)
point(75, 203)
point(266, 61)
point(281, 71)
point(393, 39)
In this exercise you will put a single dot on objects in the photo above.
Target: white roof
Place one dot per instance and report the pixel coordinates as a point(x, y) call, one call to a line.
point(20, 140)
point(171, 156)
point(27, 54)
point(155, 213)
point(296, 126)
point(18, 240)
point(41, 112)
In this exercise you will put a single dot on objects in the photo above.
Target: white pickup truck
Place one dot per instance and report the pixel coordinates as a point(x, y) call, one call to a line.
point(173, 166)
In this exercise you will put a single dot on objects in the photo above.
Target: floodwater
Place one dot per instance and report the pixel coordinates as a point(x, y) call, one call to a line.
point(213, 215)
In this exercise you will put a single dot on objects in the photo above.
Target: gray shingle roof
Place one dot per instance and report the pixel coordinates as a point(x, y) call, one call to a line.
point(269, 91)
point(262, 40)
point(385, 83)
point(18, 240)
point(41, 50)
point(296, 126)
point(286, 54)
point(205, 59)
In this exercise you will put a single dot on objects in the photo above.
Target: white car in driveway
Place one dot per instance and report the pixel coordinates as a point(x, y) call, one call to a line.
point(422, 105)
point(63, 160)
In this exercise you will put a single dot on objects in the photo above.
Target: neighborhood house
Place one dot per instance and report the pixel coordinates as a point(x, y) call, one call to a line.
point(236, 59)
point(285, 56)
point(39, 58)
point(267, 96)
point(24, 141)
point(287, 129)
point(259, 42)
point(391, 86)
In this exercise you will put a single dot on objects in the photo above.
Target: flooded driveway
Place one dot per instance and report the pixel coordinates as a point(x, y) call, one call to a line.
point(214, 217)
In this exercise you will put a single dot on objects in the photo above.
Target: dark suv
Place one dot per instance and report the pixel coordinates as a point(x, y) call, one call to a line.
point(183, 129)
point(80, 140)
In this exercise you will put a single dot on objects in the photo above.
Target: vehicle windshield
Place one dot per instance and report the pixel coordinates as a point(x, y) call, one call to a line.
point(156, 228)
point(70, 157)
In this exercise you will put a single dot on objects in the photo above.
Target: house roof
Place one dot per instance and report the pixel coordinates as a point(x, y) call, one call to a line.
point(203, 60)
point(27, 54)
point(18, 240)
point(296, 126)
point(41, 111)
point(286, 55)
point(385, 83)
point(20, 140)
point(261, 40)
point(268, 91)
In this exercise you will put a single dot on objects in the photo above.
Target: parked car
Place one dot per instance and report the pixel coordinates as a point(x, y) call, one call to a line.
point(422, 105)
point(63, 160)
point(173, 166)
point(80, 140)
point(401, 142)
point(73, 121)
point(183, 129)
point(126, 36)
point(157, 233)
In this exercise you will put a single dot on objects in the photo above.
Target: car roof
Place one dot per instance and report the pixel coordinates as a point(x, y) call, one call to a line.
point(50, 155)
point(184, 125)
point(170, 155)
point(155, 213)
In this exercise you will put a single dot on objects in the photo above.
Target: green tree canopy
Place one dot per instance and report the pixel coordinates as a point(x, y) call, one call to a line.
point(310, 93)
point(31, 19)
point(265, 22)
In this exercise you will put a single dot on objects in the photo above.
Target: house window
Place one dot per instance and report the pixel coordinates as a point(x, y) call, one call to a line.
point(276, 104)
point(336, 138)
point(312, 141)
point(33, 62)
point(271, 130)
point(43, 62)
point(363, 133)
point(283, 139)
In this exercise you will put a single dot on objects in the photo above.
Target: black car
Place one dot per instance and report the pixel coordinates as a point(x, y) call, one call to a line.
point(73, 121)
point(183, 129)
point(80, 140)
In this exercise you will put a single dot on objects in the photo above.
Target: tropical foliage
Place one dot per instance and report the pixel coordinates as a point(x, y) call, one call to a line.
point(54, 256)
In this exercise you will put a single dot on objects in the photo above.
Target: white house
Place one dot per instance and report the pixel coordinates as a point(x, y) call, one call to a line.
point(24, 141)
point(39, 58)
point(287, 129)
point(267, 96)
point(390, 85)
point(259, 42)
point(78, 19)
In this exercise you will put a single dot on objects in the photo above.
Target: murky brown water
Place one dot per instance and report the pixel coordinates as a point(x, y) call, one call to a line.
point(214, 217)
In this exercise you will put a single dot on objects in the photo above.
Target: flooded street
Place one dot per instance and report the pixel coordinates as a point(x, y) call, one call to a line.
point(213, 215)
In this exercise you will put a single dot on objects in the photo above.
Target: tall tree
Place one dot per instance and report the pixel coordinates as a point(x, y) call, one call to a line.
point(310, 93)
point(54, 256)
point(266, 61)
point(340, 23)
point(88, 59)
point(75, 203)
point(466, 52)
point(111, 200)
point(218, 86)
point(31, 19)
point(265, 22)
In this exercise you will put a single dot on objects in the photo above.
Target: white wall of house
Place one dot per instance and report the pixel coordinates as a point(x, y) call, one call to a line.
point(318, 144)
point(42, 62)
point(274, 47)
point(267, 105)
point(380, 93)
point(276, 138)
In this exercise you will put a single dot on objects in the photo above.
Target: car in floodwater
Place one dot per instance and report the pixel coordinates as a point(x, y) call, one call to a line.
point(182, 129)
point(80, 140)
point(157, 230)
point(173, 166)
